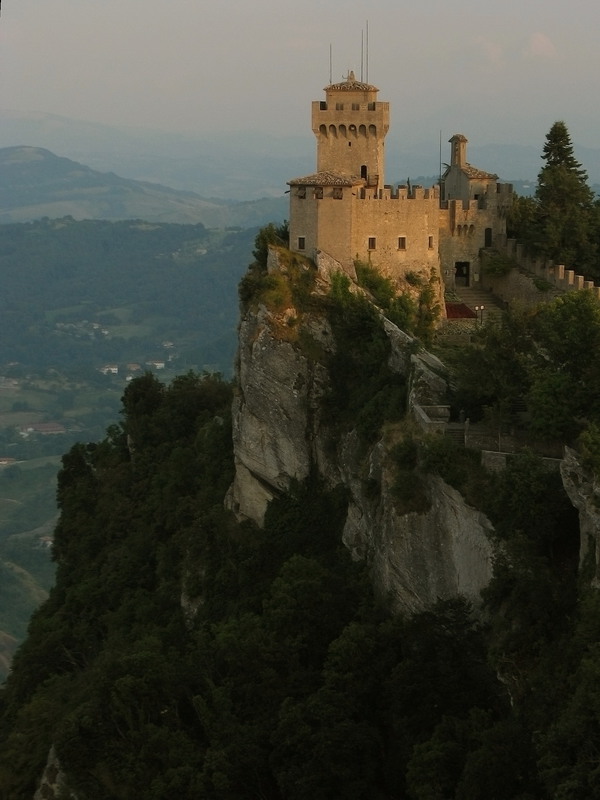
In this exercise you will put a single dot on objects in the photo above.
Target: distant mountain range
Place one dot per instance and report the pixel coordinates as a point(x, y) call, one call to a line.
point(35, 183)
point(238, 180)
point(245, 164)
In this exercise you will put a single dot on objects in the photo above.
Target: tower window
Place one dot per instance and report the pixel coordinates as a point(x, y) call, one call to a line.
point(339, 106)
point(337, 192)
point(319, 192)
point(323, 105)
point(372, 243)
point(302, 192)
point(301, 243)
point(430, 242)
point(371, 106)
point(355, 107)
point(402, 243)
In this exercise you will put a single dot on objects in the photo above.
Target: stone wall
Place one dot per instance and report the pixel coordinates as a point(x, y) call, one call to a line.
point(367, 224)
point(520, 287)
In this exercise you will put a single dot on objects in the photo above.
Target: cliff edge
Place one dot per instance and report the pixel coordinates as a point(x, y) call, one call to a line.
point(292, 418)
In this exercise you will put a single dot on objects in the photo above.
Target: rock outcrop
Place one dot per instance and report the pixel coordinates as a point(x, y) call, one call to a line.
point(53, 783)
point(281, 433)
point(583, 491)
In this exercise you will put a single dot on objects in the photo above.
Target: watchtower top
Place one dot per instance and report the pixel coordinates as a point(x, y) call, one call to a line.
point(351, 85)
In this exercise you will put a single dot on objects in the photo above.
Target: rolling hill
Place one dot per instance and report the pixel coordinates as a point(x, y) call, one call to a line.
point(35, 183)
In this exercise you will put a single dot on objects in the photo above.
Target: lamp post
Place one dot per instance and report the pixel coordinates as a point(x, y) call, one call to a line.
point(479, 314)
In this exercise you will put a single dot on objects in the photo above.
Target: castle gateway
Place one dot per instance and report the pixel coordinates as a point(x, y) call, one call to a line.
point(346, 209)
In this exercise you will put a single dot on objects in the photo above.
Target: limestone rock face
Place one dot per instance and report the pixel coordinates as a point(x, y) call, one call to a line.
point(53, 783)
point(276, 412)
point(419, 558)
point(280, 433)
point(583, 491)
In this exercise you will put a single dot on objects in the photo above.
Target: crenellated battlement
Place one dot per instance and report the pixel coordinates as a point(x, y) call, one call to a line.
point(556, 276)
point(347, 210)
point(400, 192)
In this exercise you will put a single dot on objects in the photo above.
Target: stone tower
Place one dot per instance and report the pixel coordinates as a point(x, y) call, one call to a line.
point(350, 126)
point(416, 236)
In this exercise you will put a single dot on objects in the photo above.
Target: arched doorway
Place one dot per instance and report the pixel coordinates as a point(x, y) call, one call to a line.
point(462, 273)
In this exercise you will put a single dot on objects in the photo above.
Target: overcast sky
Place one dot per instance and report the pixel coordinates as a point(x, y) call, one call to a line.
point(496, 71)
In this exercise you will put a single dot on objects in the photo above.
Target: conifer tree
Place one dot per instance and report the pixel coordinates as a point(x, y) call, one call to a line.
point(565, 210)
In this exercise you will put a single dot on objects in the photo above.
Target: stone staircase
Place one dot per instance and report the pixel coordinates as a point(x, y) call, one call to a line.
point(475, 296)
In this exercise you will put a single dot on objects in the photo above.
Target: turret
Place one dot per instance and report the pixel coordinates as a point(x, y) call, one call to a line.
point(458, 153)
point(350, 126)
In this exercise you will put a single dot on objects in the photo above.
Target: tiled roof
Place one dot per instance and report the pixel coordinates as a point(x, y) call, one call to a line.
point(326, 179)
point(351, 85)
point(473, 172)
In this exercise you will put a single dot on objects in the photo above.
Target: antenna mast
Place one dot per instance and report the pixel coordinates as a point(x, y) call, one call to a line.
point(367, 59)
point(330, 67)
point(362, 50)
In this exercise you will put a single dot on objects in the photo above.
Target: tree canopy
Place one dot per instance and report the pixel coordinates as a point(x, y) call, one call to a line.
point(561, 222)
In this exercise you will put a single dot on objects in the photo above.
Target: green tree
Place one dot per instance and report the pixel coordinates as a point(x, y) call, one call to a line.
point(565, 213)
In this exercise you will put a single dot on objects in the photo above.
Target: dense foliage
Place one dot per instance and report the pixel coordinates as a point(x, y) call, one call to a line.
point(537, 367)
point(65, 282)
point(562, 222)
point(280, 676)
point(283, 679)
point(414, 312)
point(183, 654)
point(365, 391)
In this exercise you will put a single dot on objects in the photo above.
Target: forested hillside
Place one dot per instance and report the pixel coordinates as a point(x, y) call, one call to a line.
point(80, 302)
point(35, 183)
point(79, 294)
point(183, 654)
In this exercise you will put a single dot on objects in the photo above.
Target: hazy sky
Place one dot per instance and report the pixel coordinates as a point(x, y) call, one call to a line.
point(496, 71)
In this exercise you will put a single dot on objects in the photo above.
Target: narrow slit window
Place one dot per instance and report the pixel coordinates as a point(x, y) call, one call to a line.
point(301, 243)
point(372, 243)
point(402, 243)
point(430, 242)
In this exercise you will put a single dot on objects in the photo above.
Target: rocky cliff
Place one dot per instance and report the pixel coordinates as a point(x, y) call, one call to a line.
point(584, 493)
point(283, 429)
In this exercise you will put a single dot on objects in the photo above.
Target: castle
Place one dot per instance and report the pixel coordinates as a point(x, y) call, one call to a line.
point(347, 211)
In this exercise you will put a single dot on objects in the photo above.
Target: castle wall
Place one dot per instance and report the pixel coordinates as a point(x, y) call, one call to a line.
point(324, 223)
point(346, 211)
point(396, 231)
point(468, 227)
point(538, 280)
point(404, 229)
